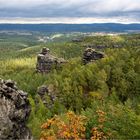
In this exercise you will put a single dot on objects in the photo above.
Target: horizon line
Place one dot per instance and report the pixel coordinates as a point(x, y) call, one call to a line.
point(72, 23)
point(67, 20)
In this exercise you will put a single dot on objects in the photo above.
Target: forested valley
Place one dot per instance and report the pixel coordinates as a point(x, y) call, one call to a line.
point(97, 100)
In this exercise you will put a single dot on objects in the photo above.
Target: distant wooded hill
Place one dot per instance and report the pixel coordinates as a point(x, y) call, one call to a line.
point(102, 27)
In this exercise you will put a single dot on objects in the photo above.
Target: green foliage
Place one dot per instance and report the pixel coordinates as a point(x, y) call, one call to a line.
point(120, 120)
point(110, 84)
point(39, 115)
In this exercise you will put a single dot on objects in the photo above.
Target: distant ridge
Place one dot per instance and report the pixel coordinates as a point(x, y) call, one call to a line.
point(96, 27)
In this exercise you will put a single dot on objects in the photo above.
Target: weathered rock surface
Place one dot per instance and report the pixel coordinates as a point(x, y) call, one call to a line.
point(46, 62)
point(90, 55)
point(47, 95)
point(14, 112)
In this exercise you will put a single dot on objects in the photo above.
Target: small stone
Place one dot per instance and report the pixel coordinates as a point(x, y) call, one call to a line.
point(10, 83)
point(42, 90)
point(4, 86)
point(22, 93)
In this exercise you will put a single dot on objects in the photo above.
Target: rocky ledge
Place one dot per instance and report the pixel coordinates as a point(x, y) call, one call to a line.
point(14, 112)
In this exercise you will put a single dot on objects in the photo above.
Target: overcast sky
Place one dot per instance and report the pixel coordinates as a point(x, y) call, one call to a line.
point(69, 11)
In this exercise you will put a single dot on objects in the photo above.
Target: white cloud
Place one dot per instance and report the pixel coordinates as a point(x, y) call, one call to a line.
point(74, 20)
point(91, 5)
point(32, 3)
point(106, 6)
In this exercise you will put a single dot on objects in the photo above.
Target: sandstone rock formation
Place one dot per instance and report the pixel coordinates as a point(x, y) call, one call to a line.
point(44, 92)
point(46, 62)
point(91, 55)
point(14, 112)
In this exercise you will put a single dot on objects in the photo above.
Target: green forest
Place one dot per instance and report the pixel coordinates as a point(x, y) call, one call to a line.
point(99, 100)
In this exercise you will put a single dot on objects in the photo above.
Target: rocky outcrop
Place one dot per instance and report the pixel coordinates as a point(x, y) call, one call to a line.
point(76, 40)
point(90, 55)
point(47, 95)
point(47, 62)
point(14, 112)
point(93, 46)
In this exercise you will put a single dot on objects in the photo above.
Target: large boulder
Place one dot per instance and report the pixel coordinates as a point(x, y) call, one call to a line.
point(46, 62)
point(91, 55)
point(14, 112)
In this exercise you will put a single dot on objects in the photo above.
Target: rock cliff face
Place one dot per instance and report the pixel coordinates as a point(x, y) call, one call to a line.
point(14, 112)
point(46, 62)
point(90, 55)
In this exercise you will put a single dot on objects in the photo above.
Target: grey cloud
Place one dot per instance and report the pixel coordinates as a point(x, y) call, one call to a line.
point(70, 8)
